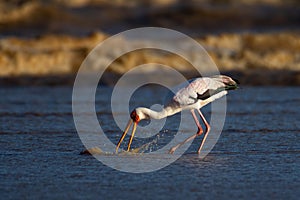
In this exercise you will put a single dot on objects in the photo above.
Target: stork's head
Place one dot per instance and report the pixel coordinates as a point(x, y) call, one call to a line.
point(139, 114)
point(136, 116)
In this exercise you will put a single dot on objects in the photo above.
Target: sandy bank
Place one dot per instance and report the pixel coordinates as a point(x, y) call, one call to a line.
point(269, 53)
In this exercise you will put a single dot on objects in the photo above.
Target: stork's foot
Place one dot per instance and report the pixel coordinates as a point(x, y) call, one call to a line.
point(173, 149)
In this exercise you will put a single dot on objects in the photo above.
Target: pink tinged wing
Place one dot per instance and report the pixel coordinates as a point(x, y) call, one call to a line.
point(188, 95)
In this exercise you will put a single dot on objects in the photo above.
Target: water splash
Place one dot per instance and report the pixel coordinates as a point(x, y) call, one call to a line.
point(148, 147)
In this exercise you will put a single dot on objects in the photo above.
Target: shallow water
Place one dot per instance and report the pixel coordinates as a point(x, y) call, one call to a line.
point(257, 155)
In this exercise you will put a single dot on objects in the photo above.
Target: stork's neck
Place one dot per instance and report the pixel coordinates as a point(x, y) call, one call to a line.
point(165, 112)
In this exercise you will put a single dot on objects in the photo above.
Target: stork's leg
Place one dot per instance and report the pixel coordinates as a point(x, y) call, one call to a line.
point(207, 130)
point(199, 132)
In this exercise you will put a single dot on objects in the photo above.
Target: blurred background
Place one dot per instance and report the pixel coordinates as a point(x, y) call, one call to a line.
point(42, 45)
point(44, 42)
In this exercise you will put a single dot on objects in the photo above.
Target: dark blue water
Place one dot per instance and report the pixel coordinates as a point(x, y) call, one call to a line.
point(257, 155)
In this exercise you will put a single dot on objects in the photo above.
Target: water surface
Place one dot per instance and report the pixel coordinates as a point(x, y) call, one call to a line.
point(257, 155)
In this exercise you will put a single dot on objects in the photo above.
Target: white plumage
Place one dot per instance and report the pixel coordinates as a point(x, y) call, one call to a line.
point(192, 96)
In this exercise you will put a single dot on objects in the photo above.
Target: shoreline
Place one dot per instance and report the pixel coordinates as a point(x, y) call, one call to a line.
point(247, 78)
